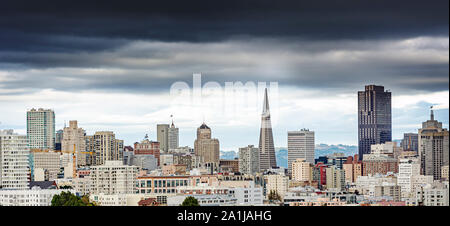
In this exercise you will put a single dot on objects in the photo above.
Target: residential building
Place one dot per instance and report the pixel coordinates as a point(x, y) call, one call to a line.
point(335, 178)
point(278, 183)
point(113, 178)
point(48, 160)
point(41, 129)
point(30, 197)
point(249, 160)
point(301, 170)
point(14, 160)
point(106, 147)
point(407, 169)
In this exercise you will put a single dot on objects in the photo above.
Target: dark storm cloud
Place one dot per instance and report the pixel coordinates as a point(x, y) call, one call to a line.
point(146, 46)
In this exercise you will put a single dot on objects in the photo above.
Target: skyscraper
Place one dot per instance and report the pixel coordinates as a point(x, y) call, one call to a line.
point(266, 148)
point(173, 135)
point(14, 160)
point(207, 147)
point(433, 147)
point(374, 118)
point(300, 146)
point(162, 136)
point(41, 129)
point(105, 147)
point(73, 135)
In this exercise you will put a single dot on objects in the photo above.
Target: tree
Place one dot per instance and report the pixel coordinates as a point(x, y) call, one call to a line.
point(190, 201)
point(273, 196)
point(69, 199)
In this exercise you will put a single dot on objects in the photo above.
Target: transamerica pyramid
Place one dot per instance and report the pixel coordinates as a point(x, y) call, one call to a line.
point(266, 149)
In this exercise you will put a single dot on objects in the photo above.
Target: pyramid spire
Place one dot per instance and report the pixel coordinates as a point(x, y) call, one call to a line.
point(266, 104)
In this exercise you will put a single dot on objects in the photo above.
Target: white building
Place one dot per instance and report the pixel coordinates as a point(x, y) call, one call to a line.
point(31, 197)
point(113, 178)
point(407, 169)
point(41, 129)
point(366, 184)
point(300, 145)
point(248, 195)
point(14, 160)
point(432, 196)
point(204, 200)
point(249, 160)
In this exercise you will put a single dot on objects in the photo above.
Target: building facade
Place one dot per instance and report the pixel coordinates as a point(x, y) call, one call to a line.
point(74, 137)
point(41, 129)
point(300, 145)
point(14, 160)
point(374, 118)
point(113, 178)
point(249, 160)
point(205, 146)
point(162, 136)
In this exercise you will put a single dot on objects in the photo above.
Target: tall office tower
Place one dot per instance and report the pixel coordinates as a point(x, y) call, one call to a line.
point(410, 142)
point(74, 137)
point(173, 137)
point(162, 136)
point(433, 147)
point(374, 118)
point(14, 160)
point(205, 146)
point(58, 140)
point(249, 160)
point(300, 145)
point(105, 147)
point(267, 158)
point(41, 129)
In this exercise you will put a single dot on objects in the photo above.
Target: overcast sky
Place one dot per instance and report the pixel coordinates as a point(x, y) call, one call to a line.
point(111, 65)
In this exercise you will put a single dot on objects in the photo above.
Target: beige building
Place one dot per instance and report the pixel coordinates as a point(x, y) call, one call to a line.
point(433, 147)
point(301, 170)
point(278, 183)
point(162, 136)
point(107, 148)
point(335, 178)
point(249, 160)
point(444, 172)
point(393, 191)
point(205, 146)
point(74, 138)
point(47, 160)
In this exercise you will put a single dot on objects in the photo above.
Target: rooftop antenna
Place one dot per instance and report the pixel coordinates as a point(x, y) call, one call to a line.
point(171, 116)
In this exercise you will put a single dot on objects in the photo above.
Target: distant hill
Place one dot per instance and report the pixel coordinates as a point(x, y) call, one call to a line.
point(321, 150)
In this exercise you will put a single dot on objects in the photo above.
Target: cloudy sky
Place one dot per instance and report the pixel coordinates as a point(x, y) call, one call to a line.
point(111, 65)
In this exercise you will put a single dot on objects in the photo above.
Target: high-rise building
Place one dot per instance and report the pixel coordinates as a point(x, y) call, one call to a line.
point(41, 129)
point(300, 145)
point(335, 178)
point(14, 160)
point(74, 137)
point(207, 147)
point(173, 136)
point(410, 142)
point(162, 135)
point(105, 147)
point(407, 169)
point(301, 170)
point(374, 118)
point(267, 158)
point(433, 147)
point(249, 160)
